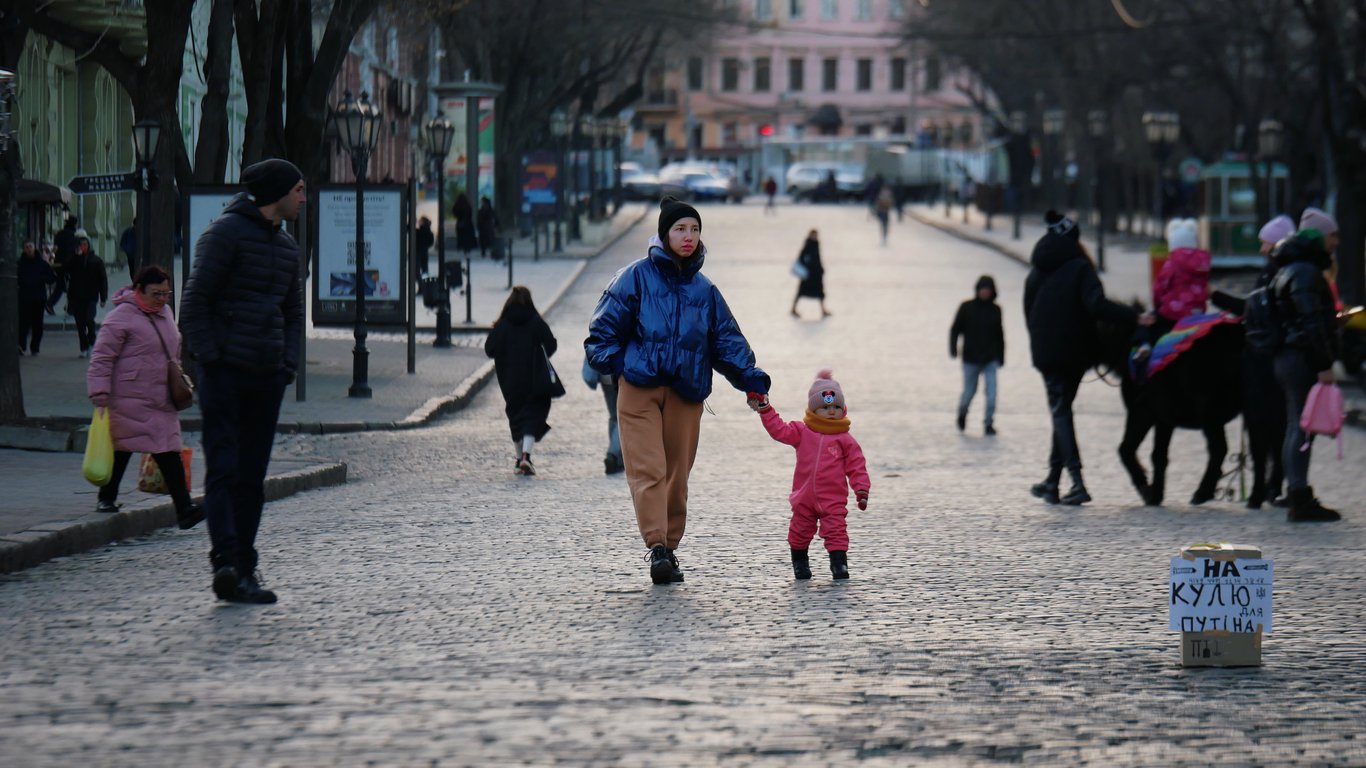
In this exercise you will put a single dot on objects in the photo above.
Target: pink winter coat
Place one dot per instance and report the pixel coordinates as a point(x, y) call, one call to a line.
point(1182, 285)
point(827, 465)
point(128, 365)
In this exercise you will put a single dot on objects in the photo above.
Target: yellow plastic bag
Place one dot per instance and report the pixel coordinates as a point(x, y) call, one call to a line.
point(98, 466)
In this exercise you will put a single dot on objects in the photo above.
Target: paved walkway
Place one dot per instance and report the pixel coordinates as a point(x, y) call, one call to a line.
point(47, 508)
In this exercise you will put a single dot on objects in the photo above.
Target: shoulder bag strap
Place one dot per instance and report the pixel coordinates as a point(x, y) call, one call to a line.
point(159, 337)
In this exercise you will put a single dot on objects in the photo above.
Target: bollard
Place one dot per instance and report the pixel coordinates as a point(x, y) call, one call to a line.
point(1220, 602)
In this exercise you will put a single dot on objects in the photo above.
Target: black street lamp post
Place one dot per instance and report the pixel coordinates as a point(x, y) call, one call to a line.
point(439, 133)
point(619, 128)
point(146, 135)
point(575, 133)
point(358, 128)
point(1017, 130)
point(1162, 129)
point(1097, 123)
point(1270, 142)
point(1054, 120)
point(559, 128)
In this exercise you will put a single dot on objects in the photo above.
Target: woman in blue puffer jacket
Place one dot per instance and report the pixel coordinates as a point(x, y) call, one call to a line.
point(662, 327)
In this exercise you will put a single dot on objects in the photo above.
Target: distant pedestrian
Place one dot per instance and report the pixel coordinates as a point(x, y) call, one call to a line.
point(521, 346)
point(771, 191)
point(978, 323)
point(64, 249)
point(128, 245)
point(662, 327)
point(425, 240)
point(1063, 299)
point(829, 463)
point(813, 285)
point(488, 229)
point(612, 461)
point(466, 235)
point(35, 275)
point(86, 284)
point(883, 208)
point(127, 375)
point(243, 314)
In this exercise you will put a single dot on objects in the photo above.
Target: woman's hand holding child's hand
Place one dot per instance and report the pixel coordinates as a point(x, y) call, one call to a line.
point(757, 402)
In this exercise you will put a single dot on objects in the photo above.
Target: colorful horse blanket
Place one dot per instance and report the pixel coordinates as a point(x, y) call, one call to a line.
point(1183, 336)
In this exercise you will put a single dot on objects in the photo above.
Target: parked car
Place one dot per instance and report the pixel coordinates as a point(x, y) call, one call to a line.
point(639, 185)
point(701, 183)
point(804, 178)
point(849, 181)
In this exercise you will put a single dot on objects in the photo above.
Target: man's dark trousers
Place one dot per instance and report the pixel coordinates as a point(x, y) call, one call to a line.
point(240, 410)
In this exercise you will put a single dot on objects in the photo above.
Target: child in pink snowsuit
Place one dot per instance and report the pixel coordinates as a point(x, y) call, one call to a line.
point(1181, 287)
point(829, 461)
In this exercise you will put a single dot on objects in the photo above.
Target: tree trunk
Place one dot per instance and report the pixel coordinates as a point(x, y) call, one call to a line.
point(256, 35)
point(1351, 256)
point(211, 151)
point(12, 36)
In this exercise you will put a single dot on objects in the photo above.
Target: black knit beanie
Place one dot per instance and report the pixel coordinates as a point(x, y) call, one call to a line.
point(1059, 224)
point(671, 209)
point(270, 180)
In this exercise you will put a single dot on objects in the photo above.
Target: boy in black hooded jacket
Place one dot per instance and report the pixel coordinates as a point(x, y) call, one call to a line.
point(978, 322)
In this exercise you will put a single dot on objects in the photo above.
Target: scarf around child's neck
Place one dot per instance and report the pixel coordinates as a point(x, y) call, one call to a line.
point(826, 426)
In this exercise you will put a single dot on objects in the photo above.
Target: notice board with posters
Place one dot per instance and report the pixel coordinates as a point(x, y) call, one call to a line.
point(385, 252)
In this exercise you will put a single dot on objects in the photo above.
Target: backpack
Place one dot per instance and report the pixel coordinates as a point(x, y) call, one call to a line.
point(1261, 322)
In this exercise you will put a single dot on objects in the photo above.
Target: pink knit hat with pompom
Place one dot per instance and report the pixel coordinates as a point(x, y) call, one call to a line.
point(825, 391)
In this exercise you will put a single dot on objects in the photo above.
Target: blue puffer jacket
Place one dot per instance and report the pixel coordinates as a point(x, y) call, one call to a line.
point(659, 324)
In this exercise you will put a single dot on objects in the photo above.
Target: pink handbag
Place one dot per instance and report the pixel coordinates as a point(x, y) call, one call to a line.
point(1324, 414)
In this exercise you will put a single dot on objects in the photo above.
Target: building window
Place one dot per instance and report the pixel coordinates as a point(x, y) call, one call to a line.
point(898, 78)
point(730, 74)
point(796, 75)
point(658, 134)
point(695, 73)
point(830, 70)
point(695, 142)
point(763, 10)
point(932, 74)
point(865, 75)
point(795, 8)
point(863, 10)
point(762, 75)
point(896, 9)
point(730, 134)
point(830, 9)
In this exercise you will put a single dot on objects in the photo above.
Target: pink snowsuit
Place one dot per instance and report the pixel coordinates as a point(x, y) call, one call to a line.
point(1182, 285)
point(827, 465)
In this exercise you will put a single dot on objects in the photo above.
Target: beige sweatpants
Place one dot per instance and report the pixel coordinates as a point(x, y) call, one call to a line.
point(659, 433)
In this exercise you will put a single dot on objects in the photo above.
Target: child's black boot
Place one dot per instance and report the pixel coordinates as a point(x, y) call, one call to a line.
point(839, 564)
point(801, 564)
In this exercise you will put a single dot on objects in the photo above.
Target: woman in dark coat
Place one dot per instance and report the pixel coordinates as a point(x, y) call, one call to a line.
point(465, 237)
point(488, 228)
point(520, 345)
point(813, 285)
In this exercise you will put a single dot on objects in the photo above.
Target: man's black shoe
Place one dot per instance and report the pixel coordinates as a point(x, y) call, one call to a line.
point(1046, 491)
point(677, 575)
point(192, 517)
point(225, 581)
point(661, 569)
point(249, 590)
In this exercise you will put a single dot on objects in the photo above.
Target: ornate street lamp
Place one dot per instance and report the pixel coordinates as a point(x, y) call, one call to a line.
point(1018, 128)
point(1098, 125)
point(358, 125)
point(146, 136)
point(1162, 129)
point(559, 128)
point(438, 133)
point(1270, 138)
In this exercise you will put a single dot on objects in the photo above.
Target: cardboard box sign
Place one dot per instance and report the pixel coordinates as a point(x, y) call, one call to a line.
point(1220, 602)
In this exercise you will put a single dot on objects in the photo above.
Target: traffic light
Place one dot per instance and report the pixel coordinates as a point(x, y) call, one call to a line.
point(766, 129)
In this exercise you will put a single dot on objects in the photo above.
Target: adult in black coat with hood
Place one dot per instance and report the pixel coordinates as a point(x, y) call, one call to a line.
point(521, 344)
point(1063, 300)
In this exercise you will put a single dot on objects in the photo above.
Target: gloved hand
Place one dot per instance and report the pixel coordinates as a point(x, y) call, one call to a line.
point(100, 399)
point(862, 497)
point(757, 402)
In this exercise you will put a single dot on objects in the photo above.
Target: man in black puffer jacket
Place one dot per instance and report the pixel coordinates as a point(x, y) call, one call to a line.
point(1305, 308)
point(242, 315)
point(1063, 299)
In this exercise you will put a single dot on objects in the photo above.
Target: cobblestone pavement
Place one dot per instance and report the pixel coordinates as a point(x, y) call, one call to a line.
point(437, 610)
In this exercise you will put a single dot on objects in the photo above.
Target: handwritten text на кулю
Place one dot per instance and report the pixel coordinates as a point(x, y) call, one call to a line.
point(1227, 595)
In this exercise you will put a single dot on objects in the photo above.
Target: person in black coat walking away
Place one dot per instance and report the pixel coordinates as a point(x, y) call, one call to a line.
point(813, 285)
point(424, 242)
point(86, 283)
point(1063, 300)
point(466, 239)
point(64, 244)
point(488, 229)
point(521, 345)
point(35, 275)
point(978, 322)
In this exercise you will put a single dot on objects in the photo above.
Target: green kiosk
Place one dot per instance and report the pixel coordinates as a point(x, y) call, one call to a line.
point(1228, 218)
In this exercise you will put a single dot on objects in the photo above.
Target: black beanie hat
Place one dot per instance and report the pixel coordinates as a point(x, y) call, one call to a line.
point(671, 209)
point(270, 180)
point(1059, 224)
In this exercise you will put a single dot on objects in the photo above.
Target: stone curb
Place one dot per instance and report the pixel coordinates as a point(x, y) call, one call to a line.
point(90, 531)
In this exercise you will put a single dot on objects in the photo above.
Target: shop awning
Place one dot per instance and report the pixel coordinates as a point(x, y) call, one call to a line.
point(31, 191)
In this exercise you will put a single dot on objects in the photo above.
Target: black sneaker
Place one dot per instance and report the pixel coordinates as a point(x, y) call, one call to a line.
point(962, 420)
point(192, 517)
point(661, 568)
point(225, 581)
point(106, 507)
point(249, 590)
point(1046, 491)
point(1077, 496)
point(677, 576)
point(990, 431)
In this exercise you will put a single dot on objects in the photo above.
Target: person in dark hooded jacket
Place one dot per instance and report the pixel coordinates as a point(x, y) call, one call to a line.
point(978, 322)
point(521, 345)
point(1063, 300)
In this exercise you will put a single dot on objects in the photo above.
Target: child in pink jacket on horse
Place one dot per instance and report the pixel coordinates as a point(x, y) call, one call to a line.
point(829, 462)
point(1181, 287)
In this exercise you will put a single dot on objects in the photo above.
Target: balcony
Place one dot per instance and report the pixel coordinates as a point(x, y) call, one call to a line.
point(122, 20)
point(659, 100)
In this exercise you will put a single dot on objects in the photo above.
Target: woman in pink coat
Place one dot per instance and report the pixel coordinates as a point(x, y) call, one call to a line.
point(829, 461)
point(127, 375)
